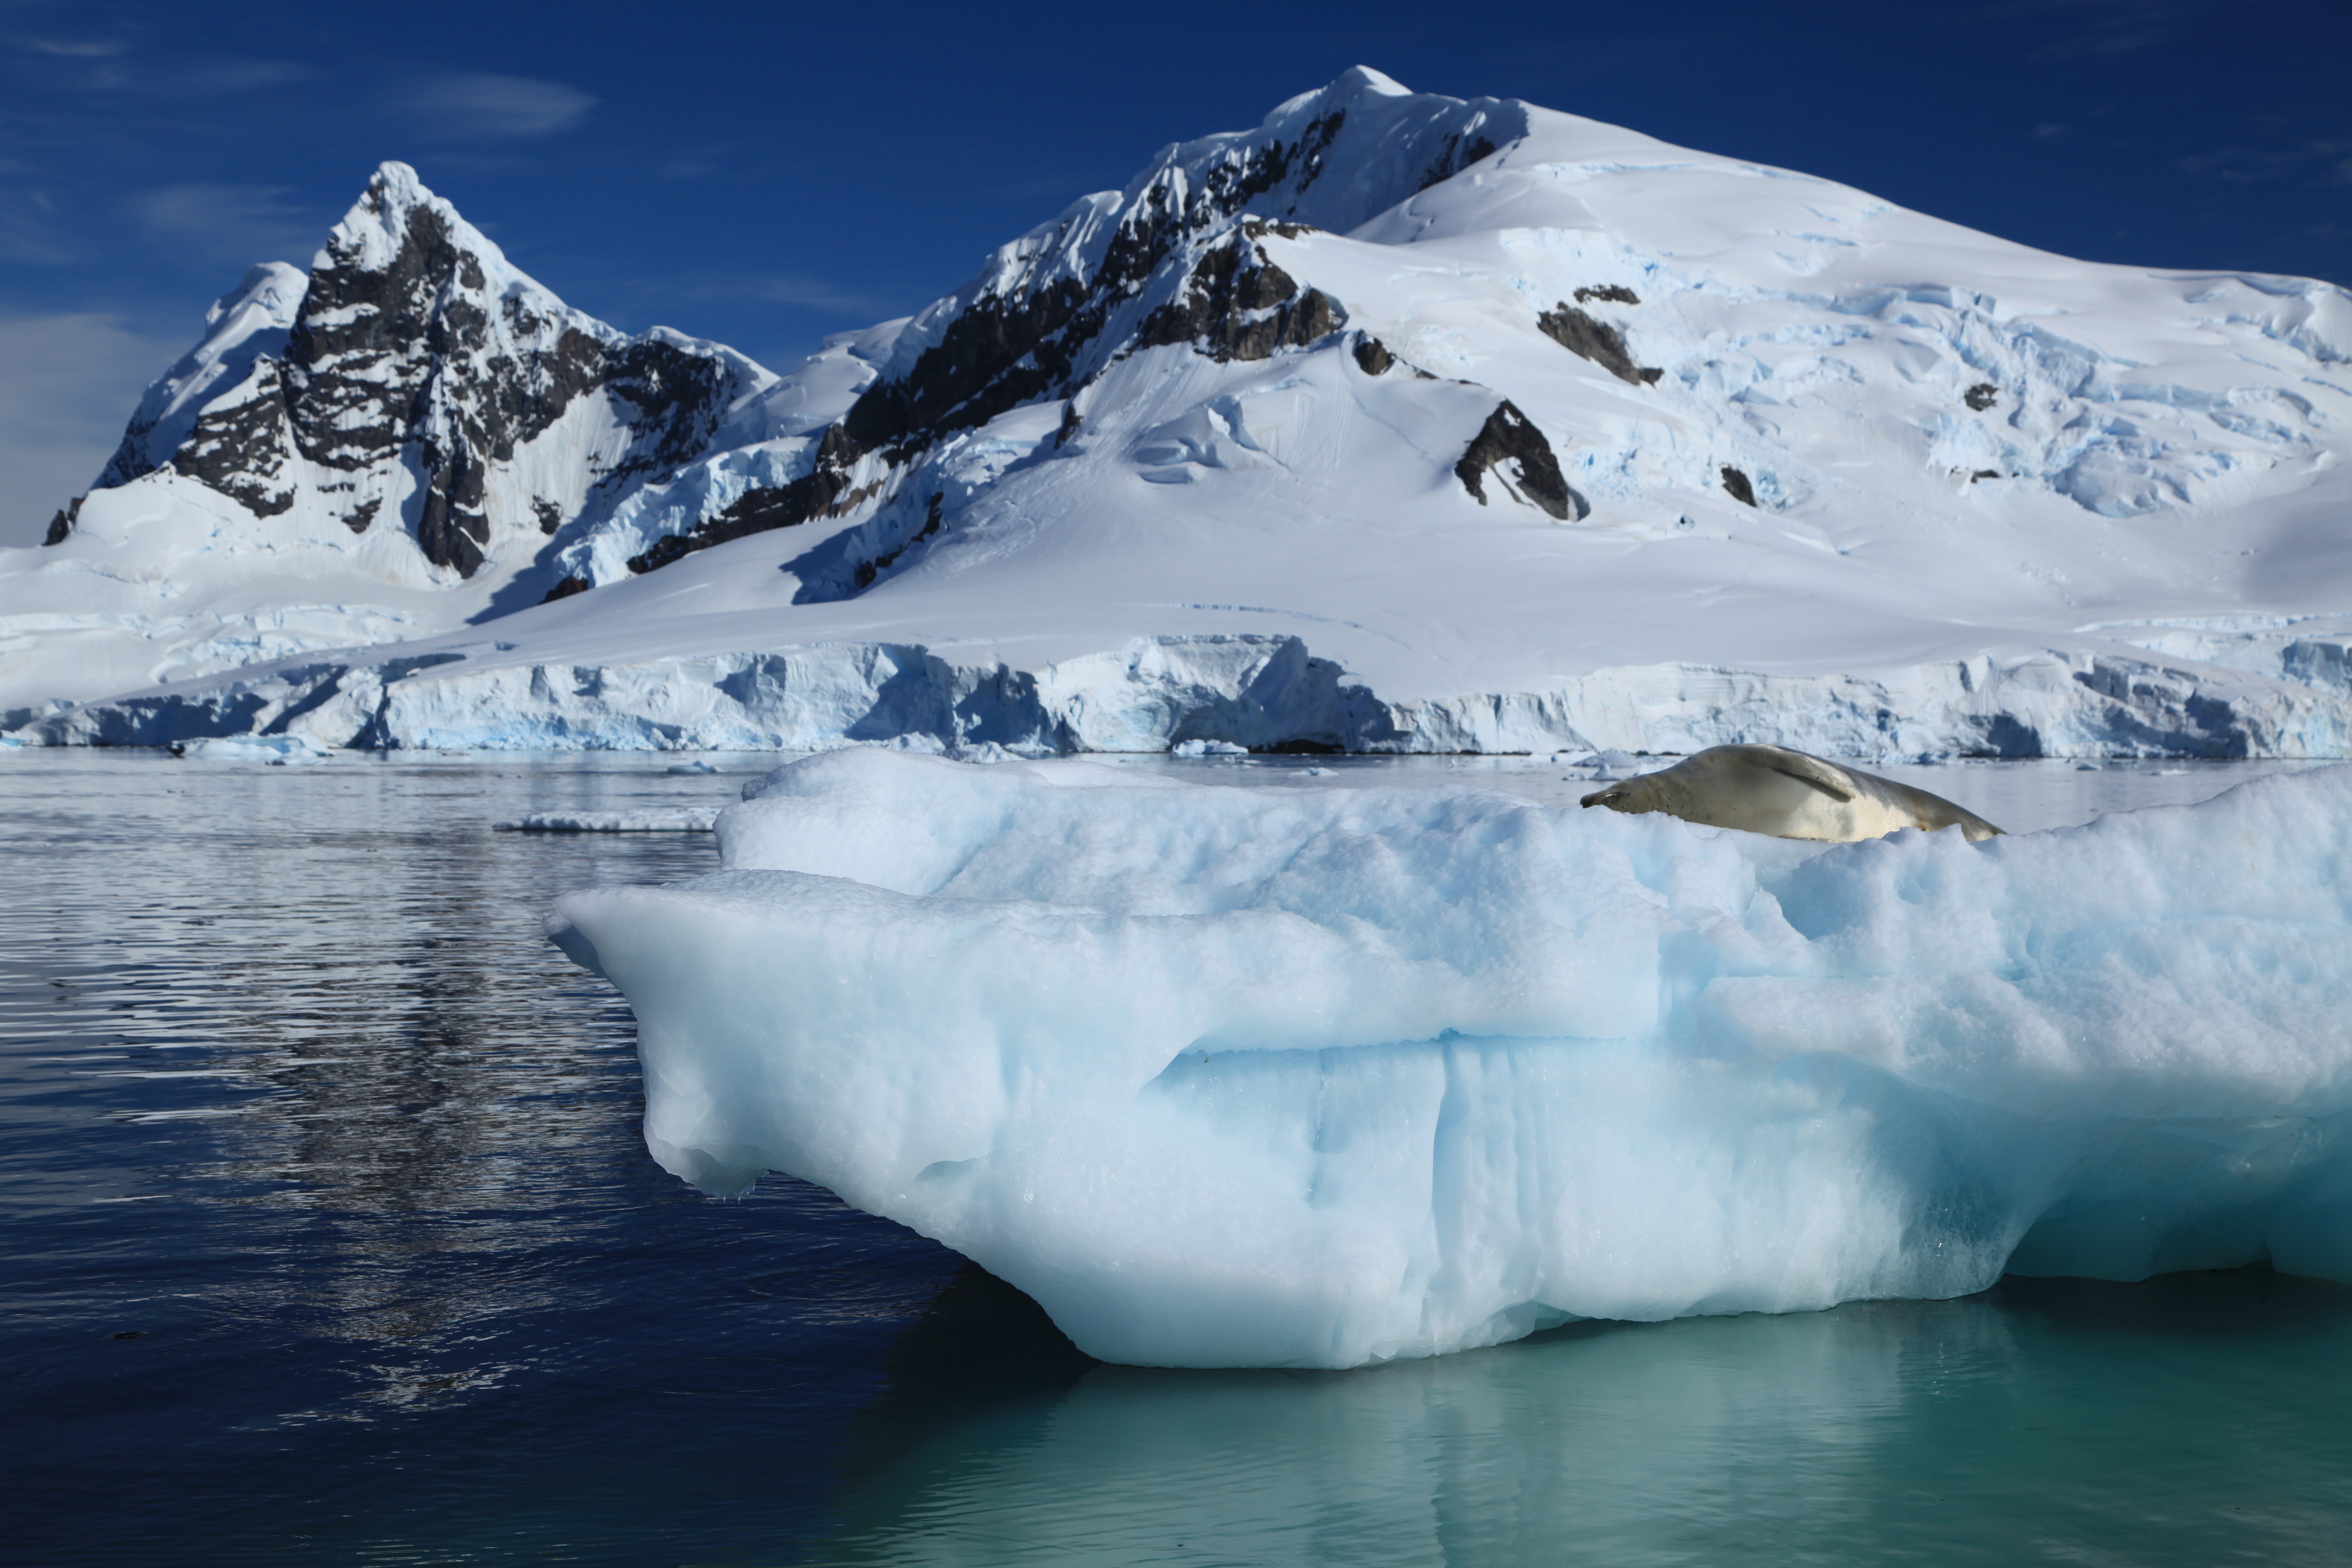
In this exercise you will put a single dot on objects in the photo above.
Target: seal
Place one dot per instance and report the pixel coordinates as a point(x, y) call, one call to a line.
point(1772, 789)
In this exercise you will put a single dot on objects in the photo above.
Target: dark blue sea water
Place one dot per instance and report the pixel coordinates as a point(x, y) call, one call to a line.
point(326, 1237)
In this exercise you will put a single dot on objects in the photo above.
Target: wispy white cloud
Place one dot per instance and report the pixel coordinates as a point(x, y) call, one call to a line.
point(78, 48)
point(29, 231)
point(210, 78)
point(2252, 165)
point(2073, 29)
point(237, 224)
point(768, 289)
point(467, 106)
point(69, 386)
point(794, 288)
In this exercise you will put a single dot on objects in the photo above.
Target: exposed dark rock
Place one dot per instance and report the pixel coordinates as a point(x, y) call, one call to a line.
point(1237, 305)
point(869, 570)
point(1007, 349)
point(1516, 452)
point(243, 450)
point(1608, 293)
point(1597, 341)
point(131, 460)
point(416, 362)
point(680, 400)
point(62, 525)
point(1454, 159)
point(1372, 357)
point(1070, 423)
point(1736, 484)
point(1984, 474)
point(1230, 186)
point(825, 486)
point(1022, 339)
point(996, 355)
point(451, 526)
point(1982, 397)
point(1022, 342)
point(565, 589)
point(377, 351)
point(395, 360)
point(1259, 227)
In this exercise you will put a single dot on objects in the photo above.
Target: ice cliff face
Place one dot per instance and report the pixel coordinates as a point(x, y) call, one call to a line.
point(1522, 430)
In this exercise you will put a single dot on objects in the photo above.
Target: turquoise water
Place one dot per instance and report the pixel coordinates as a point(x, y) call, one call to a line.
point(329, 1238)
point(2191, 1420)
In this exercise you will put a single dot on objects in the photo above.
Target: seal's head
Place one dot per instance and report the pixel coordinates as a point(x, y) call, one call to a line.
point(1635, 796)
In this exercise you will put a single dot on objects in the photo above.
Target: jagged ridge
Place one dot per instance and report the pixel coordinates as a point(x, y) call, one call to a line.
point(407, 377)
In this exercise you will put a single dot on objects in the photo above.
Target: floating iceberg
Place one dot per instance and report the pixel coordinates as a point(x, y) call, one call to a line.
point(1316, 1076)
point(271, 749)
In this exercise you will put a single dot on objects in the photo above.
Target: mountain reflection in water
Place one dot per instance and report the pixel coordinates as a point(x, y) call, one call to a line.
point(330, 1238)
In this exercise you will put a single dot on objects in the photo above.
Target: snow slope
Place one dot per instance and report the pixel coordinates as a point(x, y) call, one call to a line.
point(1402, 422)
point(1313, 1075)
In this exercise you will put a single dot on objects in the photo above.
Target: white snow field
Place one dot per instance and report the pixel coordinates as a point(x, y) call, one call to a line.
point(1830, 474)
point(1318, 1076)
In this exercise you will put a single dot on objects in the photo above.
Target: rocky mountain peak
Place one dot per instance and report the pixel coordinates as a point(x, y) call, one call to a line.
point(409, 380)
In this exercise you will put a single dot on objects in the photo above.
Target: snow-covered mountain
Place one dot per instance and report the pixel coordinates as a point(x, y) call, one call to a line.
point(1399, 422)
point(379, 447)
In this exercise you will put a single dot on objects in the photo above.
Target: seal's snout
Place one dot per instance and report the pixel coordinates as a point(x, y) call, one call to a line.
point(1603, 797)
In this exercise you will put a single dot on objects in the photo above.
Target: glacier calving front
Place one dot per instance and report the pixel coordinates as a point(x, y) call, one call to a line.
point(1314, 1077)
point(1844, 476)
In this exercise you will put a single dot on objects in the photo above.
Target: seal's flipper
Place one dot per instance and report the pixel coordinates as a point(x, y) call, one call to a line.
point(1812, 771)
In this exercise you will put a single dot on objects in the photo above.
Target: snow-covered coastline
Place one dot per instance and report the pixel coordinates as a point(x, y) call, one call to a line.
point(1264, 694)
point(1399, 423)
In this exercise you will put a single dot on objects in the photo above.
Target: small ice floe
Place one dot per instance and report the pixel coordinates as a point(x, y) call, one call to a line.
point(923, 745)
point(1320, 773)
point(1607, 765)
point(1207, 748)
point(276, 751)
point(693, 819)
point(693, 767)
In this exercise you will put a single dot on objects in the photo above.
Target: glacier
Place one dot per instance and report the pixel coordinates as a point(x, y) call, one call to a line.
point(1399, 422)
point(1315, 1076)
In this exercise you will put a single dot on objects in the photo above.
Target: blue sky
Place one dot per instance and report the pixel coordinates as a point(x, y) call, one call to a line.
point(766, 173)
